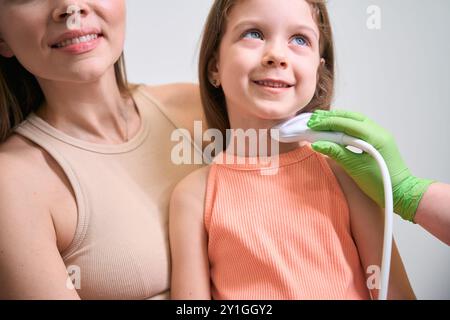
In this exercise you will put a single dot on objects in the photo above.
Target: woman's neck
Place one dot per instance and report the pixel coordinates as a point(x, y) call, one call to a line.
point(95, 112)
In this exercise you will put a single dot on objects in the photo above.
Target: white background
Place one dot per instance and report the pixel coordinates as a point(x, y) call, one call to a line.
point(398, 76)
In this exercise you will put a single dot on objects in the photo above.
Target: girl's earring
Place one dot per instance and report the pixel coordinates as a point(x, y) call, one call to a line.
point(215, 83)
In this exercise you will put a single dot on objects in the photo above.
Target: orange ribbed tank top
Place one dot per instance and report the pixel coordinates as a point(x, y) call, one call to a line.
point(281, 236)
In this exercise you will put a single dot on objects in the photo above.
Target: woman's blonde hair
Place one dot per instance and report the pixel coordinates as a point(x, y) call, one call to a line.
point(20, 93)
point(213, 98)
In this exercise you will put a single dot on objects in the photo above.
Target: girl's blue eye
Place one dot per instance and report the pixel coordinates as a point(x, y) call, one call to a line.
point(301, 41)
point(253, 35)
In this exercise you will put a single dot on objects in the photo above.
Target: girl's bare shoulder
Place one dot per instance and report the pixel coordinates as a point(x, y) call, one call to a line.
point(193, 186)
point(346, 183)
point(188, 198)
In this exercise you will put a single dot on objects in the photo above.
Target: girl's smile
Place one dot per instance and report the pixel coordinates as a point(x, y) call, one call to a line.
point(273, 86)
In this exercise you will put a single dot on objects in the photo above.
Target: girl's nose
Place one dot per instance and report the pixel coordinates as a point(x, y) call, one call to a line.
point(65, 9)
point(275, 58)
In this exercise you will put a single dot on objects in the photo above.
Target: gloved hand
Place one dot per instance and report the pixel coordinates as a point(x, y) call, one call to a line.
point(407, 189)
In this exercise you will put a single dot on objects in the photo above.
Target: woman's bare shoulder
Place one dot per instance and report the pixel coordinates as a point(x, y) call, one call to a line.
point(30, 236)
point(23, 187)
point(18, 154)
point(33, 184)
point(28, 169)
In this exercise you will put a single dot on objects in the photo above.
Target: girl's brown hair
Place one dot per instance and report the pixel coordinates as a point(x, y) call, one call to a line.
point(20, 93)
point(213, 99)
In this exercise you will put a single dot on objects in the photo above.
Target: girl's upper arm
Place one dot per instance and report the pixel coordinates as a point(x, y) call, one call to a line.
point(31, 266)
point(367, 225)
point(188, 239)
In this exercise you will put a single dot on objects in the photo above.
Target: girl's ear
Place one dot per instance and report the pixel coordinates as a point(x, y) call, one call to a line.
point(213, 72)
point(5, 50)
point(321, 66)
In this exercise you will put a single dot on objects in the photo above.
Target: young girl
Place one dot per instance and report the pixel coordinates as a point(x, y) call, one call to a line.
point(306, 232)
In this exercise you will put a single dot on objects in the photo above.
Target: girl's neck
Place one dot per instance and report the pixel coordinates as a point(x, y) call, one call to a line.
point(251, 138)
point(94, 111)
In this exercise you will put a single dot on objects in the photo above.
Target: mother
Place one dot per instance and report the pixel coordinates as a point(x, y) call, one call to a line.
point(85, 159)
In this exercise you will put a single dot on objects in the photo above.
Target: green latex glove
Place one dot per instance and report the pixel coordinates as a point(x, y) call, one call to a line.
point(407, 189)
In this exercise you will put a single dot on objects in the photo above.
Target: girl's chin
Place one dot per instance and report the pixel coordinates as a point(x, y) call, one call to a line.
point(275, 114)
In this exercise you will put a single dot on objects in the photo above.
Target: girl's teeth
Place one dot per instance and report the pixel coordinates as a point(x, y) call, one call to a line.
point(273, 84)
point(78, 40)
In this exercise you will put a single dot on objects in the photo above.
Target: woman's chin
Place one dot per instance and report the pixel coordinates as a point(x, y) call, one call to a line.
point(86, 73)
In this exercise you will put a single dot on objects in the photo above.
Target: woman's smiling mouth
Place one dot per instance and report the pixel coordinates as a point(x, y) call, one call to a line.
point(77, 42)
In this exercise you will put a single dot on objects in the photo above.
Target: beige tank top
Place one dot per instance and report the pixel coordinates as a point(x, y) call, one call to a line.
point(121, 246)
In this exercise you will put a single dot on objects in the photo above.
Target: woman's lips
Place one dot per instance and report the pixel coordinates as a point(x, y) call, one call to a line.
point(77, 41)
point(80, 44)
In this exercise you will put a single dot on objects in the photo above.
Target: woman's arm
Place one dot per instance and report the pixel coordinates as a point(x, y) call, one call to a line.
point(433, 212)
point(31, 266)
point(367, 224)
point(188, 239)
